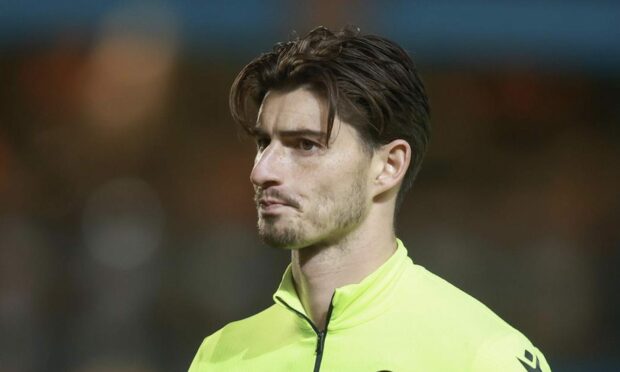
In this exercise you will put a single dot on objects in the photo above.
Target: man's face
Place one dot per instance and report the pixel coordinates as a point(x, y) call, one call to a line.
point(307, 192)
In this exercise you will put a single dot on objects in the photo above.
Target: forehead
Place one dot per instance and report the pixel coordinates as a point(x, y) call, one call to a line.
point(300, 108)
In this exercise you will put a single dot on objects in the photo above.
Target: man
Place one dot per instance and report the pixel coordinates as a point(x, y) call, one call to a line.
point(341, 123)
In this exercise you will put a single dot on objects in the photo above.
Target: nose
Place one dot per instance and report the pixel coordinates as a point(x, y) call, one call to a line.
point(266, 171)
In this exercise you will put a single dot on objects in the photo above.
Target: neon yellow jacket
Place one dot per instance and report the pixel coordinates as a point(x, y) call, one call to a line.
point(400, 318)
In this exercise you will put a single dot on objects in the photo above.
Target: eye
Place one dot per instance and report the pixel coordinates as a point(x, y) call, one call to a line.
point(262, 143)
point(307, 145)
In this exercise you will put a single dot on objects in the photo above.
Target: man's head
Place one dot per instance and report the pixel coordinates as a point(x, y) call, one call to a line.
point(331, 110)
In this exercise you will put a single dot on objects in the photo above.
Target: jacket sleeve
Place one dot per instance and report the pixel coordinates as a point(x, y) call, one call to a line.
point(509, 353)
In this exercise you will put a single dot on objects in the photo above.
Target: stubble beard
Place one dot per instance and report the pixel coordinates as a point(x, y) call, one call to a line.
point(331, 218)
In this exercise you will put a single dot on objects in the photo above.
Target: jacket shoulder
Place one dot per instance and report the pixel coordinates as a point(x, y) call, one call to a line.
point(483, 337)
point(443, 300)
point(240, 337)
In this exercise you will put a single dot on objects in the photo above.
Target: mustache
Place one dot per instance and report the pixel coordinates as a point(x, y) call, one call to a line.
point(275, 194)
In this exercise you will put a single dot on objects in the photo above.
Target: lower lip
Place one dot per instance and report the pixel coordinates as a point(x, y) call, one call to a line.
point(272, 208)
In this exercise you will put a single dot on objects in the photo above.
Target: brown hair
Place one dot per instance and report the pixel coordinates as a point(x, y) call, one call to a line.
point(368, 81)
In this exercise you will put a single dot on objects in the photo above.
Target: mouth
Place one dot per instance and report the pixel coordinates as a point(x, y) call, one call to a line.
point(273, 206)
point(273, 203)
point(269, 204)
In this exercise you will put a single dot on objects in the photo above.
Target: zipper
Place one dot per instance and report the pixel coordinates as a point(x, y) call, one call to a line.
point(321, 335)
point(320, 345)
point(320, 342)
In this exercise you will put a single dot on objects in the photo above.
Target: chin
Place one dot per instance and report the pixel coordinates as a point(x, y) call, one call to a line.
point(279, 238)
point(277, 242)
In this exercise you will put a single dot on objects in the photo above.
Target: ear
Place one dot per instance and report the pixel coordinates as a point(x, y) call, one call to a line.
point(391, 162)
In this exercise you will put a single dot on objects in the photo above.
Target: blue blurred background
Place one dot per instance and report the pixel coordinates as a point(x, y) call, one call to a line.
point(127, 228)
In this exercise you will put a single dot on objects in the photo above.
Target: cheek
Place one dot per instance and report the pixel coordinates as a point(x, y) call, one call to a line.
point(338, 187)
point(324, 181)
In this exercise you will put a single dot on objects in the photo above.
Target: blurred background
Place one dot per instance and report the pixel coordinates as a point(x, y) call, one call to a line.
point(127, 227)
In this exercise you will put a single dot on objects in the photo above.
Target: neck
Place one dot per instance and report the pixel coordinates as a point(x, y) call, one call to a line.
point(319, 269)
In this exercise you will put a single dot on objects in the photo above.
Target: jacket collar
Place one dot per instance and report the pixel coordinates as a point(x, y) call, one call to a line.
point(353, 303)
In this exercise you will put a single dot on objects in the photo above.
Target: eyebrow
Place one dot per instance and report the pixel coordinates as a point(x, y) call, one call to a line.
point(257, 132)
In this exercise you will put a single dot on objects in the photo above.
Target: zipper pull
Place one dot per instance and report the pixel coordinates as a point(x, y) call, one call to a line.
point(319, 343)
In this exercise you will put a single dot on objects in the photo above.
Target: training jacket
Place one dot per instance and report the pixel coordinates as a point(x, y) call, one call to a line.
point(399, 318)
